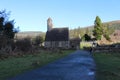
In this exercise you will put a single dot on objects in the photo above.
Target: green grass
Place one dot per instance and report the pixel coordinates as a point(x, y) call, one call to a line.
point(16, 65)
point(85, 44)
point(108, 66)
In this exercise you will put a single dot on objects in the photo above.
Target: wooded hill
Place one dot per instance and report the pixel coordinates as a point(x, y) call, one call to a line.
point(79, 32)
point(30, 34)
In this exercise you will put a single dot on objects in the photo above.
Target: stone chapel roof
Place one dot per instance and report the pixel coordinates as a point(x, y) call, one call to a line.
point(57, 34)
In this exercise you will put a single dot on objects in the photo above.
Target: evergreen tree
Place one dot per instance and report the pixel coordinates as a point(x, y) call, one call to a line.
point(87, 37)
point(97, 32)
point(6, 27)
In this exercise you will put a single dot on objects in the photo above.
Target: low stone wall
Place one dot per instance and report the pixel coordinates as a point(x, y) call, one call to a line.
point(106, 49)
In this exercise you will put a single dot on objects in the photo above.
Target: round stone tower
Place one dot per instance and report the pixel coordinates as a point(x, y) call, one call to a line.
point(49, 24)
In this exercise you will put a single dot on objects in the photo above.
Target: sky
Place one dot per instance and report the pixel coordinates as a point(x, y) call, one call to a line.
point(32, 15)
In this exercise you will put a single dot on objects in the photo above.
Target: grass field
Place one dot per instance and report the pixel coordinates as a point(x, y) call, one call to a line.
point(13, 66)
point(108, 66)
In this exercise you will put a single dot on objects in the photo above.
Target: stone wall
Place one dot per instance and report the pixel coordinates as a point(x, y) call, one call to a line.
point(113, 49)
point(57, 44)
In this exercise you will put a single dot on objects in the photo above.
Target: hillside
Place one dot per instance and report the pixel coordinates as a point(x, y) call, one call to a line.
point(30, 34)
point(115, 25)
point(112, 24)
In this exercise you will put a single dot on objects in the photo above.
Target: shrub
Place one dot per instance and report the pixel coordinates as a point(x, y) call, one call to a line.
point(24, 45)
point(74, 42)
point(4, 52)
point(6, 46)
point(107, 37)
point(38, 40)
point(86, 37)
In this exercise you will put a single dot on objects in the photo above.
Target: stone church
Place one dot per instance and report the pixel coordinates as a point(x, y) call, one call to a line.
point(56, 37)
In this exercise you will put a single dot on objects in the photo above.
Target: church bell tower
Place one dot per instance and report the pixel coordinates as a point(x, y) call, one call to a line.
point(49, 24)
